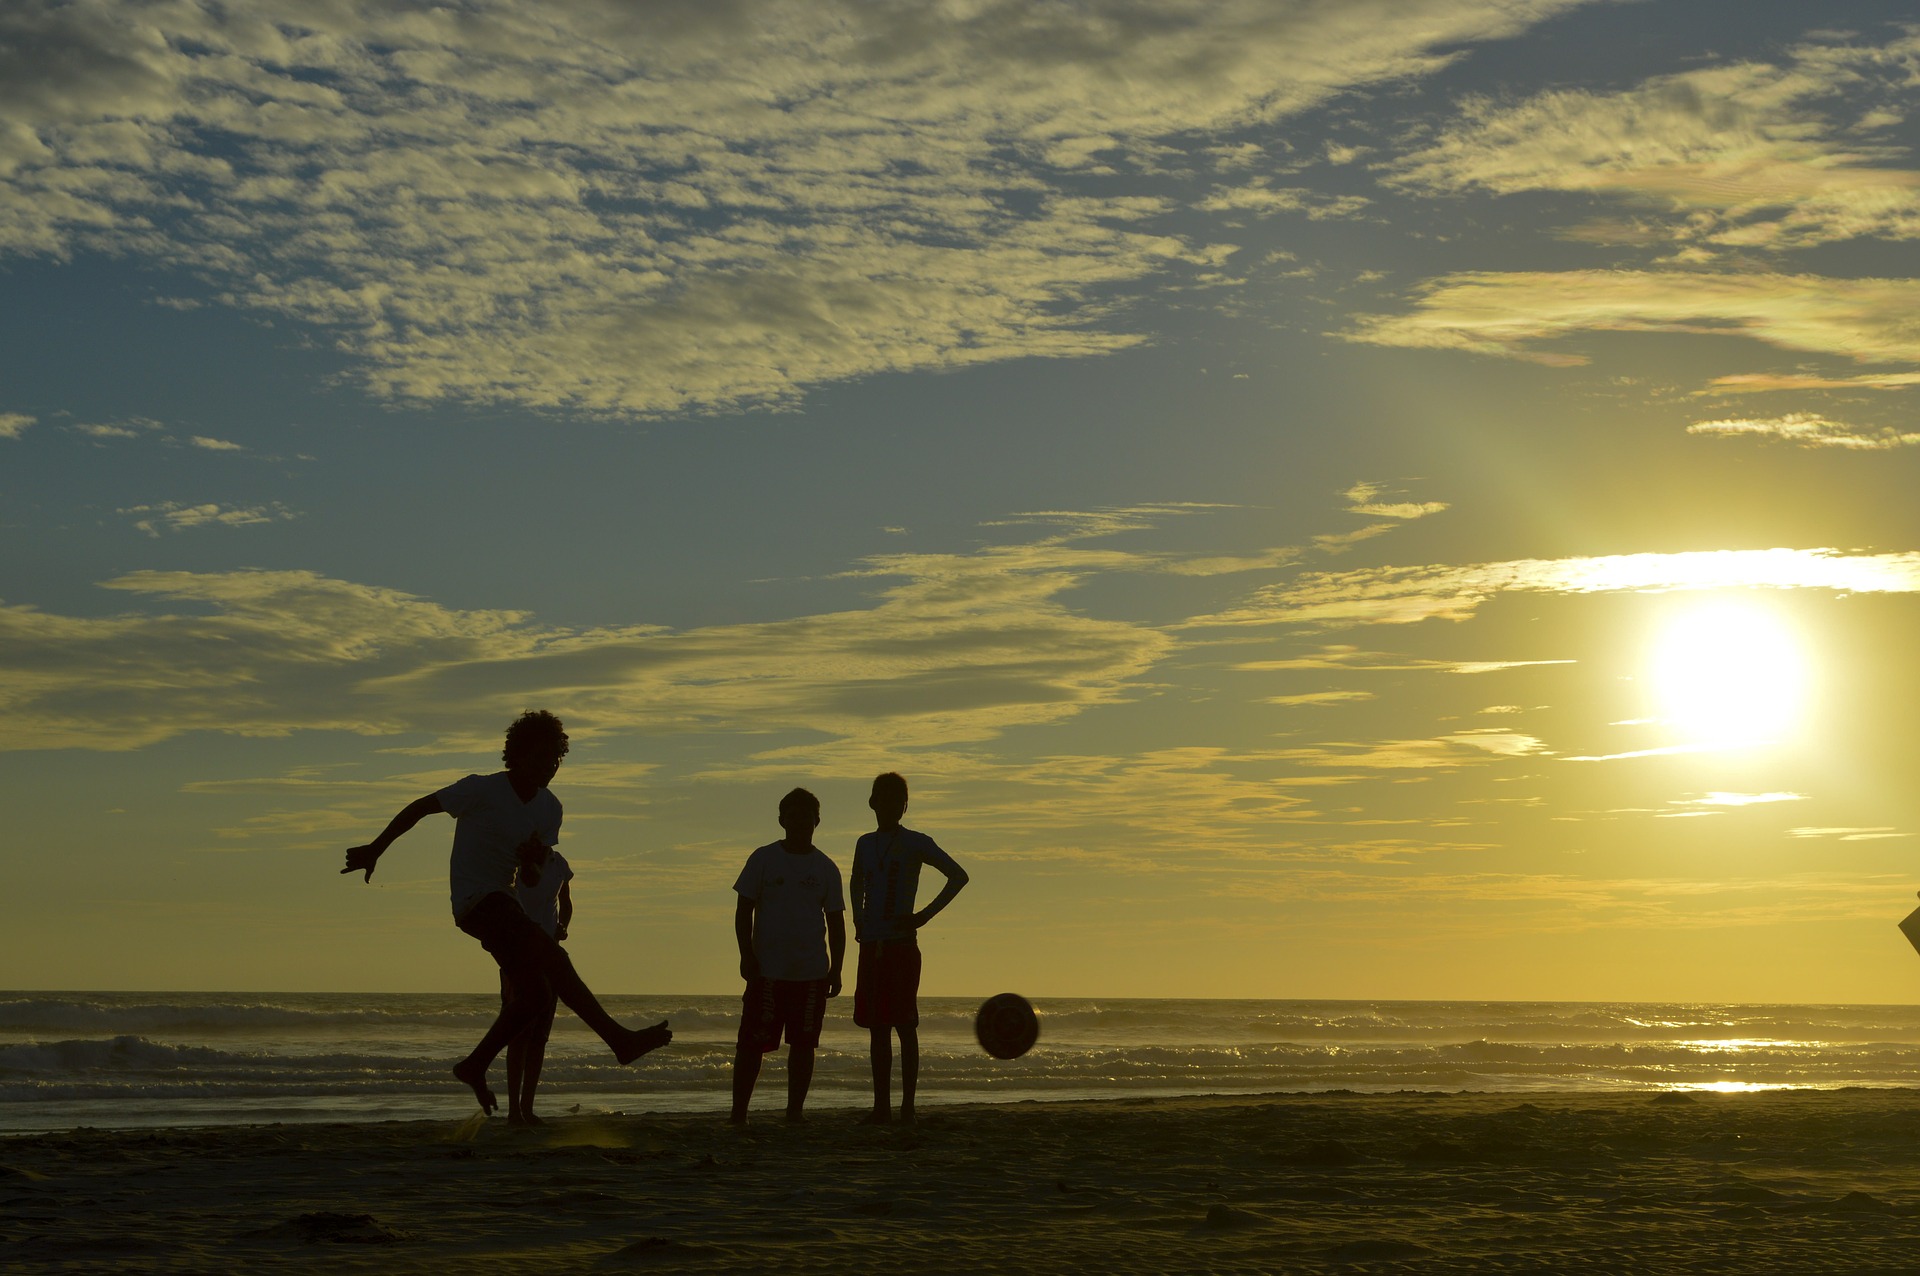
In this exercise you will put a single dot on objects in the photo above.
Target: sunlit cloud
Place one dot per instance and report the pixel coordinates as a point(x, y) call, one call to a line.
point(1405, 595)
point(1807, 429)
point(645, 210)
point(170, 516)
point(1508, 314)
point(1846, 834)
point(1319, 697)
point(1343, 656)
point(1770, 382)
point(1461, 748)
point(14, 424)
point(1741, 799)
point(214, 445)
point(1737, 156)
point(1364, 498)
point(956, 647)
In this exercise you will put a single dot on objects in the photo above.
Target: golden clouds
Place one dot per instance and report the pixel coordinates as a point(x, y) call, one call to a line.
point(647, 211)
point(1807, 429)
point(1507, 313)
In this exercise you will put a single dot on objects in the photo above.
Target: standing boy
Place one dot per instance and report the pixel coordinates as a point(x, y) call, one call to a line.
point(790, 924)
point(548, 899)
point(501, 820)
point(886, 878)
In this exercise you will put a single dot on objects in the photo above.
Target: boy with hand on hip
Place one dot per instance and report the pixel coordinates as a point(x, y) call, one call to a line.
point(886, 879)
point(545, 892)
point(789, 923)
point(501, 821)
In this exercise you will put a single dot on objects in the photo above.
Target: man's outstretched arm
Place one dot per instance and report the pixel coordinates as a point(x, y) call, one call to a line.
point(365, 857)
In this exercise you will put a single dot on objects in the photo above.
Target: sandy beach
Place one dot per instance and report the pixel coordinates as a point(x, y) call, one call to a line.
point(1776, 1181)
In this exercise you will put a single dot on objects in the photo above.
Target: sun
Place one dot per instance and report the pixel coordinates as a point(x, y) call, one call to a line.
point(1728, 674)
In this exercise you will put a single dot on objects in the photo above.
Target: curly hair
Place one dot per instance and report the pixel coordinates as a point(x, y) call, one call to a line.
point(536, 730)
point(888, 787)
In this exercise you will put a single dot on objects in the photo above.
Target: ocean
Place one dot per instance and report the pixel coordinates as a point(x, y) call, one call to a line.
point(182, 1059)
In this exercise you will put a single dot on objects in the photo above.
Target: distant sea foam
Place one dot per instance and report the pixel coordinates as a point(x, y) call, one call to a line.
point(133, 1059)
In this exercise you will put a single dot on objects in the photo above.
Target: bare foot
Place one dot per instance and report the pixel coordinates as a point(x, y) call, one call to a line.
point(879, 1116)
point(514, 1118)
point(528, 1118)
point(638, 1043)
point(906, 1115)
point(795, 1117)
point(738, 1119)
point(476, 1077)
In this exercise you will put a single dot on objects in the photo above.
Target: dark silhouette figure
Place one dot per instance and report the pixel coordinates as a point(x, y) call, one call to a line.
point(791, 928)
point(886, 878)
point(501, 822)
point(548, 900)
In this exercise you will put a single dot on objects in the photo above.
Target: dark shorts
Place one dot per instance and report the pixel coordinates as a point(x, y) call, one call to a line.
point(886, 985)
point(503, 928)
point(771, 1006)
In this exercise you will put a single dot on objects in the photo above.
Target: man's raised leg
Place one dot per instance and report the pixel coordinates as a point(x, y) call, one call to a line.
point(626, 1043)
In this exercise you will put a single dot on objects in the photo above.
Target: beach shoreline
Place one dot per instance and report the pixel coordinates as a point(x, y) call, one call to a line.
point(1783, 1180)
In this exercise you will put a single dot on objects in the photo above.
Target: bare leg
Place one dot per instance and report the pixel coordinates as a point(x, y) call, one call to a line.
point(533, 1046)
point(909, 1070)
point(516, 1069)
point(525, 997)
point(746, 1071)
point(881, 1047)
point(799, 1077)
point(626, 1044)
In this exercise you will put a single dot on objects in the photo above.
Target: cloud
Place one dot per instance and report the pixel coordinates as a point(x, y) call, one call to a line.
point(14, 424)
point(1362, 499)
point(1404, 595)
point(1341, 656)
point(1768, 382)
point(1847, 834)
point(1736, 156)
point(214, 445)
point(1866, 320)
point(1462, 748)
point(1741, 799)
point(1319, 697)
point(1807, 429)
point(956, 647)
point(663, 209)
point(174, 517)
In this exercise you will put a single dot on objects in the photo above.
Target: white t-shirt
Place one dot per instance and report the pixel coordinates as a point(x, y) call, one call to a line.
point(792, 895)
point(542, 900)
point(489, 822)
point(886, 871)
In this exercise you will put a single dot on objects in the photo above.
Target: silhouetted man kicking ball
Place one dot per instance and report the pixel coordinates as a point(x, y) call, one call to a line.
point(501, 822)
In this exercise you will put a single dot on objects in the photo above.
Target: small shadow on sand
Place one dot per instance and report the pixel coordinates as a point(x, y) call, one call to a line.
point(329, 1227)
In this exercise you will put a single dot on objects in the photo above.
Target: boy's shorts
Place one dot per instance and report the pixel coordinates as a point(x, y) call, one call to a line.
point(769, 1006)
point(886, 984)
point(503, 928)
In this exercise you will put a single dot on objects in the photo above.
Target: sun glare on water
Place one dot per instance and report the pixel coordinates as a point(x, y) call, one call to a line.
point(1729, 674)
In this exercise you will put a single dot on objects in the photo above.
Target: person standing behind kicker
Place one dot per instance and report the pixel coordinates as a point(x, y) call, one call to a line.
point(790, 925)
point(548, 901)
point(886, 879)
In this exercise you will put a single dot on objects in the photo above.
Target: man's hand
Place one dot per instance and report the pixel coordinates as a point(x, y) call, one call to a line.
point(363, 857)
point(833, 984)
point(749, 967)
point(560, 932)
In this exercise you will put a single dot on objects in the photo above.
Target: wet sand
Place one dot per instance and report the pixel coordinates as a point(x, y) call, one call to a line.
point(1772, 1182)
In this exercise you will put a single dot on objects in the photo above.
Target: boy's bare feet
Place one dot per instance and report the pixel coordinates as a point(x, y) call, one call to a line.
point(879, 1116)
point(476, 1077)
point(738, 1119)
point(906, 1115)
point(635, 1044)
point(796, 1117)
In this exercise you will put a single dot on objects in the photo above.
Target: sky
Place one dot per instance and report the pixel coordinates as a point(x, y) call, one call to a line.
point(1363, 499)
